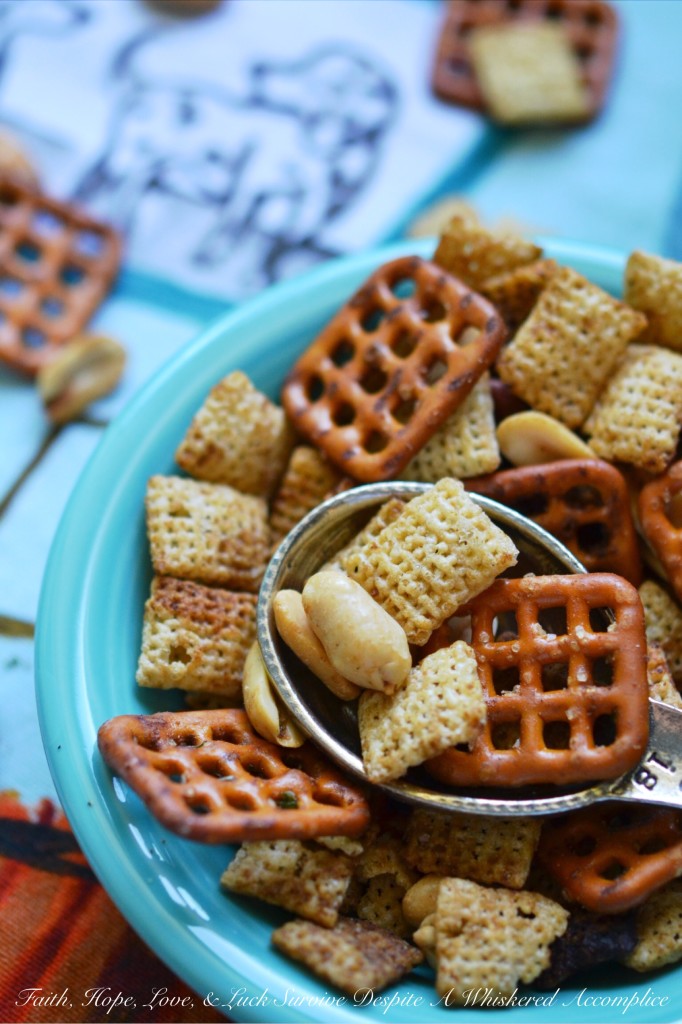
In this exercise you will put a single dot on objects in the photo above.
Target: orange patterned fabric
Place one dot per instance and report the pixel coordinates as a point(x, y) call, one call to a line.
point(67, 955)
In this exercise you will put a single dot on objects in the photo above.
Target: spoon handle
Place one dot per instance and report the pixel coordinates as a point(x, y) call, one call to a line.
point(657, 779)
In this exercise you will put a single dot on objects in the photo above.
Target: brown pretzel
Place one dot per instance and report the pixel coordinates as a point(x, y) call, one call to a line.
point(56, 266)
point(207, 776)
point(391, 367)
point(566, 691)
point(610, 858)
point(583, 502)
point(656, 502)
point(591, 26)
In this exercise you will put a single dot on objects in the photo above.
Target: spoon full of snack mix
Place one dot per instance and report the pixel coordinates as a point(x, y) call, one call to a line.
point(475, 644)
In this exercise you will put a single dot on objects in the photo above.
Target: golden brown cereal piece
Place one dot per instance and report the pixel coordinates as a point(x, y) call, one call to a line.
point(474, 253)
point(515, 292)
point(384, 855)
point(654, 286)
point(441, 551)
point(440, 705)
point(491, 939)
point(342, 844)
point(566, 689)
point(464, 446)
point(529, 73)
point(237, 437)
point(196, 637)
point(421, 899)
point(353, 955)
point(661, 684)
point(207, 776)
point(308, 480)
point(659, 930)
point(381, 903)
point(297, 633)
point(267, 714)
point(637, 416)
point(397, 359)
point(294, 875)
point(210, 533)
point(564, 353)
point(387, 513)
point(434, 219)
point(663, 618)
point(493, 851)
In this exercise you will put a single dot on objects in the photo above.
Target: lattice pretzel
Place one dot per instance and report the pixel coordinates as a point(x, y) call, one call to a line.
point(591, 27)
point(390, 367)
point(610, 858)
point(566, 693)
point(56, 266)
point(657, 501)
point(207, 776)
point(583, 502)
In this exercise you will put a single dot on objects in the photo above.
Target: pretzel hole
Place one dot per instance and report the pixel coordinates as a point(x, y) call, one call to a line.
point(464, 29)
point(344, 414)
point(514, 5)
point(593, 538)
point(404, 344)
point(27, 251)
point(505, 735)
point(556, 735)
point(653, 845)
point(89, 243)
point(673, 510)
point(372, 319)
point(604, 730)
point(178, 653)
point(584, 52)
point(258, 767)
point(434, 371)
point(176, 777)
point(46, 223)
point(52, 306)
point(505, 627)
point(613, 870)
point(553, 620)
point(315, 389)
point(31, 337)
point(189, 739)
point(458, 66)
point(583, 847)
point(602, 672)
point(403, 288)
point(343, 353)
point(8, 197)
point(10, 287)
point(199, 805)
point(584, 496)
point(228, 733)
point(71, 275)
point(592, 17)
point(505, 679)
point(554, 676)
point(554, 12)
point(376, 442)
point(532, 506)
point(242, 801)
point(600, 619)
point(373, 380)
point(432, 309)
point(405, 410)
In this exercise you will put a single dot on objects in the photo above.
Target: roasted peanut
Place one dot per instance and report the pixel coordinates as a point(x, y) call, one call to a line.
point(425, 938)
point(361, 640)
point(265, 715)
point(81, 371)
point(294, 628)
point(420, 899)
point(529, 438)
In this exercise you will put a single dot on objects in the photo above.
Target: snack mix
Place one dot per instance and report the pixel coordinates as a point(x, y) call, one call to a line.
point(486, 370)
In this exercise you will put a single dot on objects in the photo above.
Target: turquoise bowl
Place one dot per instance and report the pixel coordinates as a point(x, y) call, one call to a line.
point(88, 638)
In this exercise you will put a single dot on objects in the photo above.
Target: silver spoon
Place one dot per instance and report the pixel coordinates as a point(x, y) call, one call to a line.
point(332, 723)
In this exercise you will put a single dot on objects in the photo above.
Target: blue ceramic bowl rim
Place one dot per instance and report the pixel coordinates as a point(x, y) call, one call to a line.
point(66, 720)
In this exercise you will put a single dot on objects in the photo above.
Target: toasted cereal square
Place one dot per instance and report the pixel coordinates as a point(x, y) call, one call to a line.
point(638, 414)
point(474, 253)
point(238, 437)
point(654, 286)
point(464, 446)
point(297, 876)
point(387, 513)
point(206, 532)
point(561, 357)
point(440, 705)
point(353, 955)
point(384, 855)
point(195, 637)
point(441, 551)
point(381, 903)
point(493, 851)
point(661, 684)
point(663, 619)
point(529, 73)
point(515, 292)
point(491, 939)
point(659, 930)
point(434, 218)
point(307, 481)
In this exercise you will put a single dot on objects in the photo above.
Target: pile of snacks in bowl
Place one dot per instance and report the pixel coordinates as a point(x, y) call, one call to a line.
point(488, 370)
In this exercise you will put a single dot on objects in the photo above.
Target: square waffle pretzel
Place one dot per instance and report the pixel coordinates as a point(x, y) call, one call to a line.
point(583, 502)
point(391, 366)
point(566, 697)
point(657, 500)
point(207, 776)
point(590, 25)
point(56, 266)
point(609, 858)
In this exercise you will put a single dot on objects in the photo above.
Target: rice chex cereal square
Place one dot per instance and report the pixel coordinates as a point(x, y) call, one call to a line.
point(654, 286)
point(475, 253)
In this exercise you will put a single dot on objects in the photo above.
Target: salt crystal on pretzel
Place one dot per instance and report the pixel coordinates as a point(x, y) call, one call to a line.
point(637, 417)
point(195, 637)
point(564, 353)
point(391, 366)
point(207, 776)
point(654, 286)
point(474, 253)
point(441, 551)
point(297, 876)
point(237, 437)
point(207, 532)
